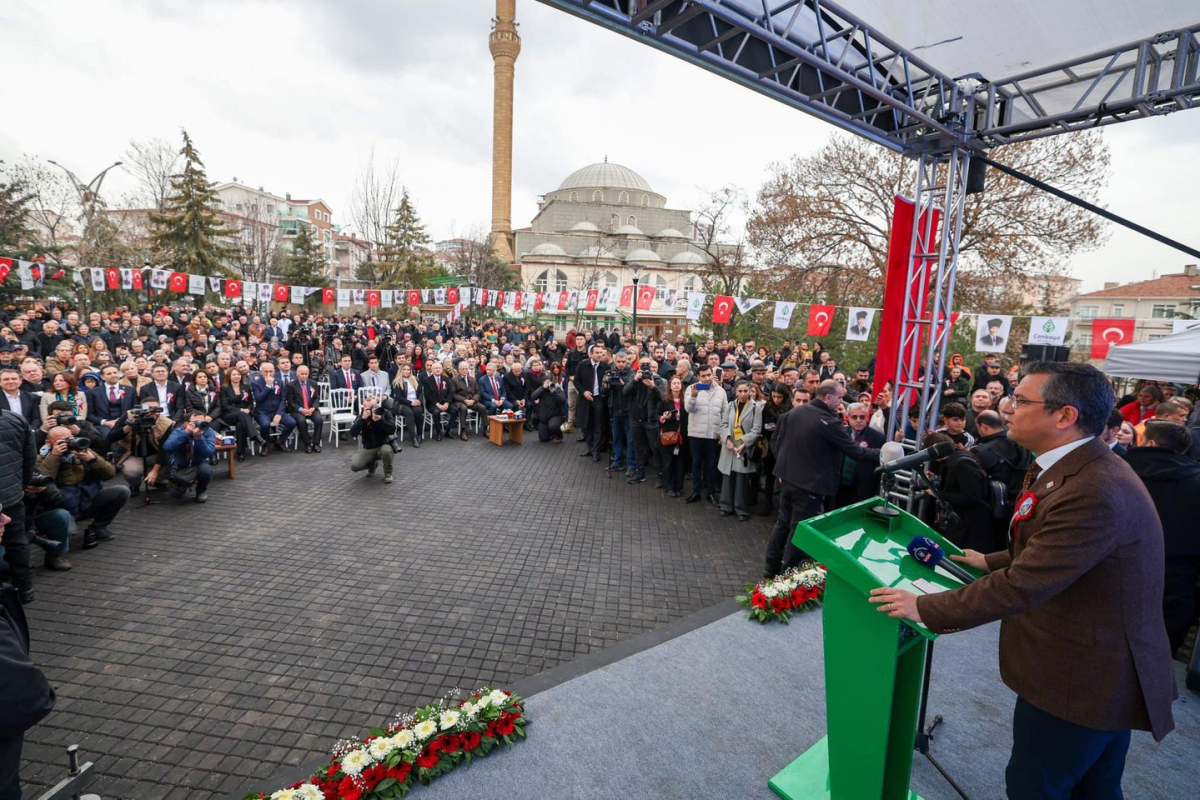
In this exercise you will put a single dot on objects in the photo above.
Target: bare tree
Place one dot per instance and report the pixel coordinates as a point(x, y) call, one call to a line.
point(376, 194)
point(54, 209)
point(472, 261)
point(152, 162)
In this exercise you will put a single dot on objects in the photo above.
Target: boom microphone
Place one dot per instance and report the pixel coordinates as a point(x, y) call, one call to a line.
point(931, 554)
point(891, 463)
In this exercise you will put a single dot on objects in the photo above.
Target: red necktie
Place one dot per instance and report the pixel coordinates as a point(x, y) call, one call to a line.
point(112, 394)
point(349, 385)
point(304, 395)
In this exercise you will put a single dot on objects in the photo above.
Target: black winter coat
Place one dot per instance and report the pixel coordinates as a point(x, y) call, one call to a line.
point(17, 456)
point(809, 444)
point(1173, 480)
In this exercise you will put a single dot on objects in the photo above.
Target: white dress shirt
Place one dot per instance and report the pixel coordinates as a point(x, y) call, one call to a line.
point(14, 402)
point(1051, 457)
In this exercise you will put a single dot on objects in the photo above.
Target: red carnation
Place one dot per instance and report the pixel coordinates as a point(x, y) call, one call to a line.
point(471, 740)
point(777, 604)
point(400, 771)
point(373, 775)
point(504, 727)
point(758, 599)
point(491, 730)
point(427, 759)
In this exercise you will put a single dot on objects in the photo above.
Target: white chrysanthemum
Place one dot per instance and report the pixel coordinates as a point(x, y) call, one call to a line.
point(379, 748)
point(470, 709)
point(355, 762)
point(497, 698)
point(425, 729)
point(308, 791)
point(403, 738)
point(284, 794)
point(449, 719)
point(769, 590)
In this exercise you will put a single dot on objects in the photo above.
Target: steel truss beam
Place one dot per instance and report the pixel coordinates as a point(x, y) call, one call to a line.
point(816, 56)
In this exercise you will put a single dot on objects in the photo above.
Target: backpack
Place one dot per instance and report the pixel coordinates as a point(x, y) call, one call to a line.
point(998, 500)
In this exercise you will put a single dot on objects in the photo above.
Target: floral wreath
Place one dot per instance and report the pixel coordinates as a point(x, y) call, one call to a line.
point(799, 589)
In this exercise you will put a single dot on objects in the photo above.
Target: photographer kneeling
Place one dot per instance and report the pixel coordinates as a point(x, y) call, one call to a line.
point(80, 473)
point(377, 427)
point(187, 451)
point(137, 439)
point(49, 520)
point(61, 412)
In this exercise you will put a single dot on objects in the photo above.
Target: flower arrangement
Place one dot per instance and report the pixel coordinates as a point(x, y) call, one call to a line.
point(799, 589)
point(416, 747)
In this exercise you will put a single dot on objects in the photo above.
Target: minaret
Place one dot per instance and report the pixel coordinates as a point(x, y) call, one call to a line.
point(505, 45)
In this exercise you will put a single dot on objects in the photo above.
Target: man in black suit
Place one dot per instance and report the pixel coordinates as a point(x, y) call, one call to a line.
point(590, 377)
point(18, 401)
point(858, 480)
point(439, 394)
point(302, 398)
point(1111, 429)
point(167, 392)
point(108, 401)
point(345, 376)
point(811, 443)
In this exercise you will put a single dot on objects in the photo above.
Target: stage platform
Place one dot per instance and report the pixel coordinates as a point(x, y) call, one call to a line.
point(714, 712)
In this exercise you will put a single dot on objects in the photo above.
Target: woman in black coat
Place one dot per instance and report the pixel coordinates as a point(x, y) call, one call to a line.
point(777, 404)
point(201, 398)
point(549, 402)
point(237, 410)
point(673, 419)
point(409, 397)
point(963, 486)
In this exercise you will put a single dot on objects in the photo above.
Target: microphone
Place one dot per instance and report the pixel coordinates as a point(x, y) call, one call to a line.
point(890, 462)
point(931, 554)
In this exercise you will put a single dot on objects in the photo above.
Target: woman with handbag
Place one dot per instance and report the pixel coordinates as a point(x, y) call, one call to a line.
point(741, 428)
point(672, 436)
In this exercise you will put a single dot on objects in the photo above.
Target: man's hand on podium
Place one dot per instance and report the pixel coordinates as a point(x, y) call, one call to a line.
point(896, 603)
point(972, 558)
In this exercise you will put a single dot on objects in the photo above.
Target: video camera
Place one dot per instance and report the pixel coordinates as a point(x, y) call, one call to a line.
point(144, 415)
point(65, 418)
point(77, 444)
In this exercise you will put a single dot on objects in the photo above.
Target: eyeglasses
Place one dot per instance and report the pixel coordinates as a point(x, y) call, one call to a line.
point(857, 416)
point(1025, 401)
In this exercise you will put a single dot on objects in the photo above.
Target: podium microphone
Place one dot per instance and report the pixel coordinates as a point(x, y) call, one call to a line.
point(891, 461)
point(931, 554)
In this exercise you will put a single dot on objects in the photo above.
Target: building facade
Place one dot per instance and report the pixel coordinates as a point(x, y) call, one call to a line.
point(1157, 305)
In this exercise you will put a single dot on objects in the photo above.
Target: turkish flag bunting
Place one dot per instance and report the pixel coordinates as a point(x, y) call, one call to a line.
point(452, 295)
point(112, 277)
point(645, 297)
point(592, 296)
point(6, 265)
point(138, 279)
point(627, 296)
point(372, 297)
point(414, 297)
point(722, 309)
point(328, 296)
point(518, 297)
point(483, 297)
point(179, 282)
point(282, 292)
point(538, 300)
point(233, 288)
point(1107, 332)
point(562, 301)
point(820, 318)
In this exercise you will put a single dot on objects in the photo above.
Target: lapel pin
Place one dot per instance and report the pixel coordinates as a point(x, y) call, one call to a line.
point(1050, 485)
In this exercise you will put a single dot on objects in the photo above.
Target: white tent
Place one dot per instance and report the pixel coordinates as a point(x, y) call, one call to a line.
point(1173, 358)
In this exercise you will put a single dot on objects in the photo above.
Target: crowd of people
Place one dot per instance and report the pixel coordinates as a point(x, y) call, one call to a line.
point(115, 404)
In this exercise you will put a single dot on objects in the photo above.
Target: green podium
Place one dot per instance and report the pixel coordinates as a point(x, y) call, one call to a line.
point(874, 665)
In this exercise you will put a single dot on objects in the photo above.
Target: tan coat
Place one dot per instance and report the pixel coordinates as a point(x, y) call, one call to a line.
point(1080, 592)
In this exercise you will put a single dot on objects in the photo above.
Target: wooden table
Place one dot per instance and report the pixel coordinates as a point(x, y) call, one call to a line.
point(228, 448)
point(497, 426)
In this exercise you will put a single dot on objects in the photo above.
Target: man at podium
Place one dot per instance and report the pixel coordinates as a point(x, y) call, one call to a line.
point(1079, 590)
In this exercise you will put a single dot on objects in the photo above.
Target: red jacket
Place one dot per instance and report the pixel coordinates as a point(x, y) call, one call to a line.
point(1135, 412)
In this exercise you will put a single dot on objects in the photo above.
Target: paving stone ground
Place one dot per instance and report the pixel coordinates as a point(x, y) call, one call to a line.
point(209, 646)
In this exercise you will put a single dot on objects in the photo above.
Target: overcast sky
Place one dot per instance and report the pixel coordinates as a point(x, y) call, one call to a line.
point(293, 95)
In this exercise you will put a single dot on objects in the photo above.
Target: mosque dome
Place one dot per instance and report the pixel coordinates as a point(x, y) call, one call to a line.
point(686, 258)
point(670, 233)
point(604, 175)
point(584, 225)
point(629, 230)
point(547, 249)
point(643, 254)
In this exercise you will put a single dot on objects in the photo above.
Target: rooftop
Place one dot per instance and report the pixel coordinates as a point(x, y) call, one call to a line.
point(1179, 284)
point(604, 175)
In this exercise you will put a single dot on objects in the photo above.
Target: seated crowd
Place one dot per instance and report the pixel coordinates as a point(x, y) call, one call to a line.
point(128, 402)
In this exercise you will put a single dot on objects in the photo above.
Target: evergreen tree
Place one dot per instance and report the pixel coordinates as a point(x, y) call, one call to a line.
point(14, 218)
point(19, 242)
point(403, 261)
point(188, 229)
point(305, 265)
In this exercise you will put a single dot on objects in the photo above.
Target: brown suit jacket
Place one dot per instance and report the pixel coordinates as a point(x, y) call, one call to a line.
point(1080, 592)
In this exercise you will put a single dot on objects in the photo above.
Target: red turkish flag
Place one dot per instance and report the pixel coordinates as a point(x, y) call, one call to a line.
point(328, 296)
point(645, 297)
point(112, 276)
point(372, 297)
point(414, 297)
point(452, 295)
point(820, 318)
point(722, 309)
point(539, 299)
point(593, 296)
point(562, 301)
point(517, 298)
point(233, 288)
point(282, 292)
point(627, 296)
point(483, 297)
point(6, 265)
point(136, 277)
point(1107, 332)
point(178, 282)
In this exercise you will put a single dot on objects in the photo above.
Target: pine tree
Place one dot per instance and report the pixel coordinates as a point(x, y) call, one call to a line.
point(188, 229)
point(403, 261)
point(19, 241)
point(305, 265)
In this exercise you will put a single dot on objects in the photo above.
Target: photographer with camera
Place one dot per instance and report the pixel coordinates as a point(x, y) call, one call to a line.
point(49, 520)
point(301, 341)
point(644, 393)
point(136, 441)
point(377, 428)
point(60, 412)
point(618, 377)
point(187, 451)
point(79, 472)
point(962, 496)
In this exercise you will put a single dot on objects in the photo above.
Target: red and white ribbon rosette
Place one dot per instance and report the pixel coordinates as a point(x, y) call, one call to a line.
point(1026, 504)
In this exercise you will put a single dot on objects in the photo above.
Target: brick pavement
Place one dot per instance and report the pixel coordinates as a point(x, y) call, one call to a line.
point(209, 646)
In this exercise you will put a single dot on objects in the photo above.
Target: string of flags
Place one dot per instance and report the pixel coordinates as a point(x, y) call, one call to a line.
point(992, 330)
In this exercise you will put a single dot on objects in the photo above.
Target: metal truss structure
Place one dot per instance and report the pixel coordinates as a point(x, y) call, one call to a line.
point(818, 57)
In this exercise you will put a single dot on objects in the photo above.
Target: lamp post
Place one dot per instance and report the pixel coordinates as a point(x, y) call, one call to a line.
point(89, 196)
point(637, 277)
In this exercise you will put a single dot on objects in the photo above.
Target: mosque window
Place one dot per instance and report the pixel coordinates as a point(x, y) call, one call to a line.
point(631, 221)
point(557, 277)
point(574, 197)
point(597, 196)
point(645, 200)
point(610, 280)
point(623, 198)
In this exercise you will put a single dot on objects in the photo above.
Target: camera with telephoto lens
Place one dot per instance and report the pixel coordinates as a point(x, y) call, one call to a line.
point(65, 418)
point(40, 479)
point(201, 424)
point(77, 444)
point(145, 415)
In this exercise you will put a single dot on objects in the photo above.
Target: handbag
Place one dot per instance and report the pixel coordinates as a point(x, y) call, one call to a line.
point(669, 438)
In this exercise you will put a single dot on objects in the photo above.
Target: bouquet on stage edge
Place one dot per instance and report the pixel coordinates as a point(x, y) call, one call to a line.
point(416, 747)
point(799, 589)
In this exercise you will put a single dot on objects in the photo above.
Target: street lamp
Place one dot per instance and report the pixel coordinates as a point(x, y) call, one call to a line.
point(637, 277)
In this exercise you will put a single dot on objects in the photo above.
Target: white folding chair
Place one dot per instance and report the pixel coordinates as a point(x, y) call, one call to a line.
point(323, 403)
point(370, 391)
point(474, 419)
point(341, 414)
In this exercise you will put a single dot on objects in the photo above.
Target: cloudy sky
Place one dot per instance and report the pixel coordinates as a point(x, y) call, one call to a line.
point(293, 96)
